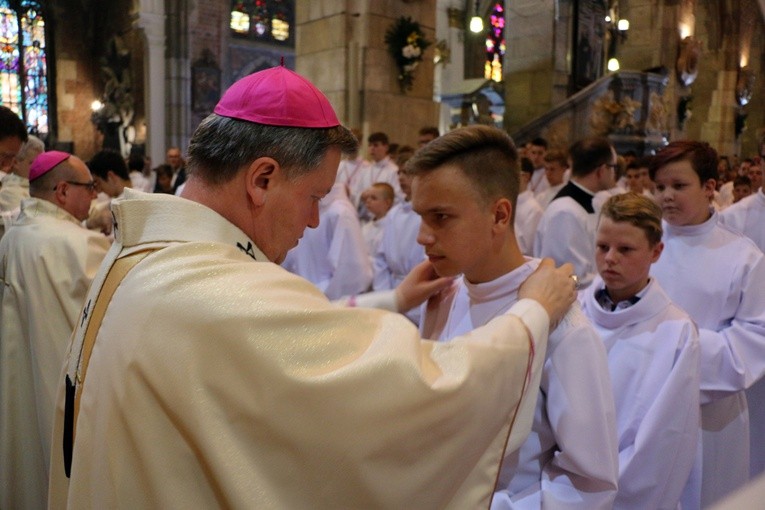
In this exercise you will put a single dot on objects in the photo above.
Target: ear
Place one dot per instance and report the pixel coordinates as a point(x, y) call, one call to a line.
point(656, 251)
point(260, 178)
point(709, 186)
point(59, 194)
point(503, 213)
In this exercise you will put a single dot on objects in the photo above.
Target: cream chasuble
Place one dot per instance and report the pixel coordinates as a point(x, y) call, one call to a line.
point(219, 379)
point(47, 262)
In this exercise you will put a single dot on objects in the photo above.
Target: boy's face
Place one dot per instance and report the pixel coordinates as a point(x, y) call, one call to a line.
point(554, 172)
point(646, 178)
point(378, 151)
point(684, 200)
point(755, 175)
point(741, 191)
point(375, 202)
point(165, 181)
point(623, 257)
point(457, 229)
point(634, 180)
point(536, 153)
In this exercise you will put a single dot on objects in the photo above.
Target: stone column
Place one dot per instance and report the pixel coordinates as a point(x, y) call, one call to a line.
point(178, 78)
point(151, 19)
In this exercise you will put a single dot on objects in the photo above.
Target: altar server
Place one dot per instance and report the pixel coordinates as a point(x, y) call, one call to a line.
point(653, 356)
point(715, 274)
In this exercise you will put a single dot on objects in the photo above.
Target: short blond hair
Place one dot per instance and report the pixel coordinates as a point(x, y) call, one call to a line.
point(637, 210)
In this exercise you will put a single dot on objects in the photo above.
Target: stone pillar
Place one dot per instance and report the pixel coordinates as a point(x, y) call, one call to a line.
point(341, 48)
point(532, 69)
point(151, 19)
point(178, 79)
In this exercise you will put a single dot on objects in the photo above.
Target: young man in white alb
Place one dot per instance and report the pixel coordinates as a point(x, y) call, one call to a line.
point(465, 186)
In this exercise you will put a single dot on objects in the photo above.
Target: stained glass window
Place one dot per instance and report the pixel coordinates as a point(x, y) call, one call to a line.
point(264, 20)
point(495, 43)
point(23, 62)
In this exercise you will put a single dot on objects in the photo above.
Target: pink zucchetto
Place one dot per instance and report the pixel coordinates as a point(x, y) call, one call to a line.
point(277, 97)
point(45, 162)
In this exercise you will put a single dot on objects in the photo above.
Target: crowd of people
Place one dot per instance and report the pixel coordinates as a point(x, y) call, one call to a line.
point(276, 321)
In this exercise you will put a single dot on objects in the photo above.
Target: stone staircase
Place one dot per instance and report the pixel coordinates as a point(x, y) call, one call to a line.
point(627, 107)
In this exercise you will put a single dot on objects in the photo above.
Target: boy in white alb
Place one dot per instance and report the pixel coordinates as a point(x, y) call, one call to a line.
point(465, 186)
point(715, 274)
point(378, 199)
point(653, 356)
point(333, 256)
point(398, 252)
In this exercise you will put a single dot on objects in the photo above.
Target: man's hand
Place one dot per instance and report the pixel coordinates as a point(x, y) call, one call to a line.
point(421, 283)
point(552, 287)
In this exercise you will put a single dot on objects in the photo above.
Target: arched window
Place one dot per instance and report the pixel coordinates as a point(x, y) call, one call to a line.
point(23, 62)
point(264, 20)
point(495, 43)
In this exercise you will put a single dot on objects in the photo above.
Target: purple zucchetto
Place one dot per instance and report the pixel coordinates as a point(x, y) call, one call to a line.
point(277, 97)
point(45, 162)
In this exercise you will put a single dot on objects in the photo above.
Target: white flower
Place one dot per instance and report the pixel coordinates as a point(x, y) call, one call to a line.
point(408, 51)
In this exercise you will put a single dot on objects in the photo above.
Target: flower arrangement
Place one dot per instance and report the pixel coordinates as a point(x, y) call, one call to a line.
point(406, 44)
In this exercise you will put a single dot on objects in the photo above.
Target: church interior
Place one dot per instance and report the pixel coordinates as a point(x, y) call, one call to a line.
point(139, 75)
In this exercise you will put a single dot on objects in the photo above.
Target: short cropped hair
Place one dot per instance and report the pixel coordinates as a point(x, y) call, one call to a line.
point(588, 154)
point(556, 156)
point(33, 145)
point(637, 210)
point(742, 180)
point(378, 137)
point(109, 160)
point(387, 190)
point(486, 155)
point(11, 125)
point(539, 142)
point(403, 155)
point(702, 157)
point(221, 146)
point(430, 130)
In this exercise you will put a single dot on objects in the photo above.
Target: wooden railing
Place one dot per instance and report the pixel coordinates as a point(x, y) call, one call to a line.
point(628, 107)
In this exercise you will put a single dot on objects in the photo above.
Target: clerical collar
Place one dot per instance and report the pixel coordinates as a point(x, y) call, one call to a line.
point(605, 301)
point(582, 188)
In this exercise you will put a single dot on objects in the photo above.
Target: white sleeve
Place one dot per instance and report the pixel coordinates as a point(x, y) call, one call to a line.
point(382, 276)
point(580, 408)
point(733, 358)
point(351, 268)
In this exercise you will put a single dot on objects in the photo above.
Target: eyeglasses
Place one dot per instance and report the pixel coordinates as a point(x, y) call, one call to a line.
point(91, 185)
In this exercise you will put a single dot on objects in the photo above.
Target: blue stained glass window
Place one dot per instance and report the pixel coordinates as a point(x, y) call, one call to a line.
point(23, 62)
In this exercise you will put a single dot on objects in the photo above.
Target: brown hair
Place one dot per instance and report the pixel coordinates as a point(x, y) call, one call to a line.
point(486, 155)
point(588, 154)
point(559, 157)
point(702, 157)
point(637, 210)
point(387, 190)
